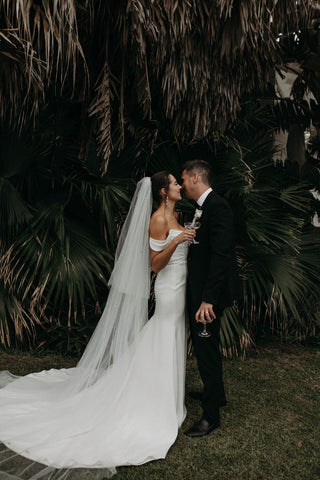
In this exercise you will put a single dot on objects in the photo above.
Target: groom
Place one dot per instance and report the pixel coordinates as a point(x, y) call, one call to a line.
point(213, 284)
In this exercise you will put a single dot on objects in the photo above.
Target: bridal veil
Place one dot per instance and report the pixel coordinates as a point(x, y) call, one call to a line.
point(124, 315)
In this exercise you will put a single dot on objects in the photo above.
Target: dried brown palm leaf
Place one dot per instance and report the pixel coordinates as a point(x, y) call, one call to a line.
point(51, 29)
point(189, 61)
point(21, 85)
point(101, 109)
point(15, 320)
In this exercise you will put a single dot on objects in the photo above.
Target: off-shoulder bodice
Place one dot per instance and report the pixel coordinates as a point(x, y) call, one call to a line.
point(180, 253)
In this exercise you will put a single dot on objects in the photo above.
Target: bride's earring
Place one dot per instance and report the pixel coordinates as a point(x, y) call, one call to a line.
point(166, 200)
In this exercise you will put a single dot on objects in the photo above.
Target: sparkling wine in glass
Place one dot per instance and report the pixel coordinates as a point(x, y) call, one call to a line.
point(192, 226)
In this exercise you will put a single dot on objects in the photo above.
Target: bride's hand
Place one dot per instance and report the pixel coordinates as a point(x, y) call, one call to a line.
point(185, 236)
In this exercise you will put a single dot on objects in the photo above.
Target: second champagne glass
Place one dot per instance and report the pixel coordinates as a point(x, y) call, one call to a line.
point(204, 332)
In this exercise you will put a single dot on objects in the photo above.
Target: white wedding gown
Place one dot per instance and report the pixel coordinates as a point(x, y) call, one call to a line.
point(130, 415)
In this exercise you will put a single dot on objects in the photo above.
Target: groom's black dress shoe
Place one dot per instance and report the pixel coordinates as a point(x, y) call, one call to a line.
point(203, 427)
point(198, 396)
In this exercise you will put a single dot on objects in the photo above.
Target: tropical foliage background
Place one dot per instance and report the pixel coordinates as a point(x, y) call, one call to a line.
point(94, 95)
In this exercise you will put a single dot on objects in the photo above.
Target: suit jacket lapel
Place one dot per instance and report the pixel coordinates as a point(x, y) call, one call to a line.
point(205, 203)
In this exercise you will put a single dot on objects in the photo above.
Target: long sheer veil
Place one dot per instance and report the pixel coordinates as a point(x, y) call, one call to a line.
point(126, 310)
point(124, 315)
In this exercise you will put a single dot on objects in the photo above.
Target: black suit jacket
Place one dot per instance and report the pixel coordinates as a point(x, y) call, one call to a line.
point(212, 269)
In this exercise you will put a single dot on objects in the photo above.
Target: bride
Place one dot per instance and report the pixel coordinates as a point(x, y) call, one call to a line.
point(124, 402)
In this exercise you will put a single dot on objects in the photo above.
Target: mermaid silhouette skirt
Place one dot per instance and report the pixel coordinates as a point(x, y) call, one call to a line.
point(130, 415)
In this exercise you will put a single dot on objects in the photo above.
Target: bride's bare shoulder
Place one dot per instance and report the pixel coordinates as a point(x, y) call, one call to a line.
point(158, 227)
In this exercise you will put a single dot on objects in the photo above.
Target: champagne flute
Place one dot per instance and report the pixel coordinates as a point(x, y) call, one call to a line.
point(192, 226)
point(204, 332)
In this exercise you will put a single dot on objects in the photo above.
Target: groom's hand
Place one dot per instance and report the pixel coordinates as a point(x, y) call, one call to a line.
point(205, 314)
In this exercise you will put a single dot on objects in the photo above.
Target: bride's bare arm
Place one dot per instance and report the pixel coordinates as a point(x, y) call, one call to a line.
point(158, 231)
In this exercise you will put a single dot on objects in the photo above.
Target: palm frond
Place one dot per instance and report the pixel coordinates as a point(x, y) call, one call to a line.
point(110, 197)
point(56, 263)
point(234, 337)
point(14, 212)
point(21, 78)
point(187, 64)
point(17, 322)
point(38, 41)
point(276, 245)
point(101, 109)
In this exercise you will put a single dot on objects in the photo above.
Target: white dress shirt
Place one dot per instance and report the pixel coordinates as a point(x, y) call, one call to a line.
point(202, 198)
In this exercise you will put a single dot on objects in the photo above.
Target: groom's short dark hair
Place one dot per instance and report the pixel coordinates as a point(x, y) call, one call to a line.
point(201, 167)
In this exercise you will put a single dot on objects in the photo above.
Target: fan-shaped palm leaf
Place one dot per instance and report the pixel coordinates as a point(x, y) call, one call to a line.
point(57, 262)
point(277, 253)
point(17, 321)
point(14, 212)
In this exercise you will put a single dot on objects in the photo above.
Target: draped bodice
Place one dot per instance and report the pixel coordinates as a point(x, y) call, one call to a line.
point(179, 256)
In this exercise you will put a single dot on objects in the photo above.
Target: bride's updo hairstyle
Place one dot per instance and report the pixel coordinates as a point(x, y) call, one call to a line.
point(158, 181)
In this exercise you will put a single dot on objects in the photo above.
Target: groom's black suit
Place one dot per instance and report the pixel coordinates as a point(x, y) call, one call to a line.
point(213, 278)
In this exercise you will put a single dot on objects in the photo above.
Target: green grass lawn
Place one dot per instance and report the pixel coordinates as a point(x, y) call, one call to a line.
point(270, 429)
